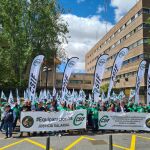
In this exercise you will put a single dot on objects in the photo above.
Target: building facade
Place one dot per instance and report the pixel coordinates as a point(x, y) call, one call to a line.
point(77, 81)
point(133, 32)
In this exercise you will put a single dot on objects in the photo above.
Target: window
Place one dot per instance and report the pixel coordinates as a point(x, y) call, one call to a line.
point(129, 22)
point(139, 27)
point(133, 18)
point(136, 15)
point(141, 56)
point(140, 42)
point(118, 31)
point(87, 82)
point(139, 12)
point(121, 28)
point(123, 39)
point(128, 35)
point(112, 36)
point(118, 42)
point(113, 46)
point(135, 45)
point(115, 33)
point(76, 81)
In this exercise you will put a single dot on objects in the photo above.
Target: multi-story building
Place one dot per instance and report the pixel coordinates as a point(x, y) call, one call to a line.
point(77, 81)
point(131, 31)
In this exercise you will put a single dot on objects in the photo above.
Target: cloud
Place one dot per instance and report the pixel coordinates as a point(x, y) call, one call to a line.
point(100, 9)
point(80, 1)
point(84, 32)
point(122, 7)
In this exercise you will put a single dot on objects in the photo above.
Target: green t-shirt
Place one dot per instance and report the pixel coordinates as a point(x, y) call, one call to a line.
point(88, 110)
point(60, 108)
point(80, 107)
point(17, 111)
point(140, 109)
point(94, 113)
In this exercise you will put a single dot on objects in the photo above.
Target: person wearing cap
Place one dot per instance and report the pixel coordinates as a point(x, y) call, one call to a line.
point(8, 121)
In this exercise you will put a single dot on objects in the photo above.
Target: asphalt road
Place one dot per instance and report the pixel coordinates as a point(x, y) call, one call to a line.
point(124, 141)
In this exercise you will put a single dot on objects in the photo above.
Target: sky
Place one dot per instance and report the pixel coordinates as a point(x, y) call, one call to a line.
point(88, 21)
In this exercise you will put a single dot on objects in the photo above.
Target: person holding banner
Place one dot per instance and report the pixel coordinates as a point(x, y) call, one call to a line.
point(70, 107)
point(26, 107)
point(111, 107)
point(62, 107)
point(40, 107)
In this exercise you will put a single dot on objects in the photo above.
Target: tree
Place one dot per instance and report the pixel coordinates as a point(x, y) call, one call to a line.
point(104, 88)
point(28, 28)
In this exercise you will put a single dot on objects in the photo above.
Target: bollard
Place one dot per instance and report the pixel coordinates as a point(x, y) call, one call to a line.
point(48, 143)
point(110, 142)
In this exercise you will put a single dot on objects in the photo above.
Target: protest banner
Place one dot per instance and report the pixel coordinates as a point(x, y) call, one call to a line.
point(67, 73)
point(98, 75)
point(140, 75)
point(124, 121)
point(116, 67)
point(53, 121)
point(34, 74)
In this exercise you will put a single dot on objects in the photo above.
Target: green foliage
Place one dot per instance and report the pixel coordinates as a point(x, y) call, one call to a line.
point(104, 88)
point(29, 28)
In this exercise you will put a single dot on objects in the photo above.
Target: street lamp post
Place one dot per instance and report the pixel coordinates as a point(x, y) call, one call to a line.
point(46, 70)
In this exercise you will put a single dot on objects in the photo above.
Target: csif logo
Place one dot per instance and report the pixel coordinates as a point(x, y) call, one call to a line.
point(142, 66)
point(71, 64)
point(121, 54)
point(79, 118)
point(104, 121)
point(36, 62)
point(101, 62)
point(147, 122)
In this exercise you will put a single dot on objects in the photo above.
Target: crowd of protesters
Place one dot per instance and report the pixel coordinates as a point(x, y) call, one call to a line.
point(10, 115)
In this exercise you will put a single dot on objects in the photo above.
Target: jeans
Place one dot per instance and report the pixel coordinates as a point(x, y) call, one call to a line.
point(8, 128)
point(14, 123)
point(95, 124)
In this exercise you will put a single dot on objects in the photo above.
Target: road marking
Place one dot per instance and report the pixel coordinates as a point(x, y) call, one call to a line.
point(77, 141)
point(133, 141)
point(132, 146)
point(25, 140)
point(74, 143)
point(12, 144)
point(88, 138)
point(143, 137)
point(121, 147)
point(35, 143)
